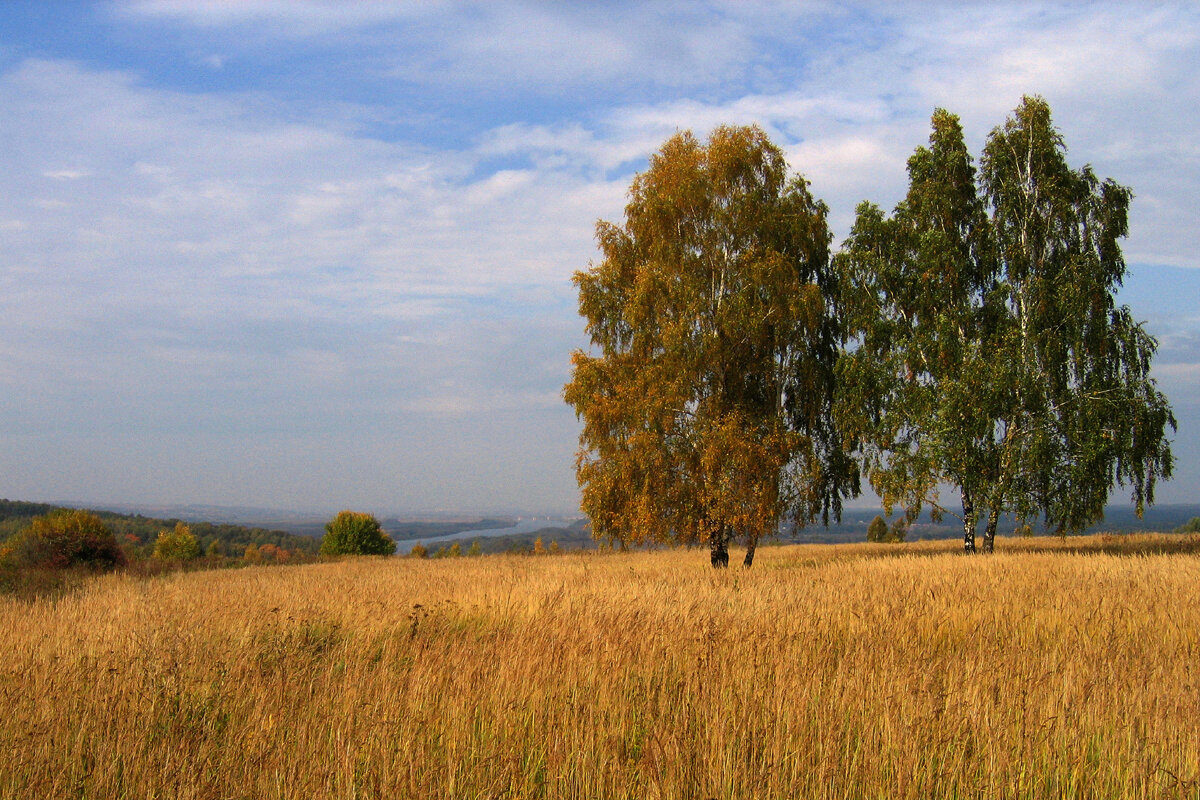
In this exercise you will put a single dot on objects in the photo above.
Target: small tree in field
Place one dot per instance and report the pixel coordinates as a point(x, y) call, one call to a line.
point(356, 533)
point(419, 551)
point(877, 531)
point(177, 545)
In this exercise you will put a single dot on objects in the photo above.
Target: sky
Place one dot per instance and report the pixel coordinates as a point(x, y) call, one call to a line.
point(318, 255)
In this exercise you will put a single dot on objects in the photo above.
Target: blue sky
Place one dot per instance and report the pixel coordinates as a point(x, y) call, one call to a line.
point(318, 255)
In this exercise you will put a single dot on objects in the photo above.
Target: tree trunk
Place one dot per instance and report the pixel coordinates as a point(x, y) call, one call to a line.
point(969, 520)
point(989, 535)
point(718, 546)
point(751, 544)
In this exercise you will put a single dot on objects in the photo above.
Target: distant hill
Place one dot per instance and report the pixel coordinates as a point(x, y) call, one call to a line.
point(15, 516)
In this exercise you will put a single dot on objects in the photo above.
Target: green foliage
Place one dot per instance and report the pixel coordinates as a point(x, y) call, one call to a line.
point(419, 551)
point(455, 550)
point(880, 531)
point(1191, 526)
point(177, 545)
point(475, 549)
point(705, 405)
point(1083, 412)
point(355, 533)
point(984, 347)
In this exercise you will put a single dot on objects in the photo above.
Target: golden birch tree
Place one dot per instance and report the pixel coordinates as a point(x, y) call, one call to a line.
point(706, 396)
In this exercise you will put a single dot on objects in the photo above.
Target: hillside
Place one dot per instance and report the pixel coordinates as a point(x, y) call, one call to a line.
point(16, 515)
point(1053, 668)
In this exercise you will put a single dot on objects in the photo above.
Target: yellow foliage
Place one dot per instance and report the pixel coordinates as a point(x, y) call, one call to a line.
point(178, 544)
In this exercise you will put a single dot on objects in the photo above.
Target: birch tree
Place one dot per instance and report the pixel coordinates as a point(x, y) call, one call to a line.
point(985, 349)
point(706, 395)
point(1086, 414)
point(919, 385)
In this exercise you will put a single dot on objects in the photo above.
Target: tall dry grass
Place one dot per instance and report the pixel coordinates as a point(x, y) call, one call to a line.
point(822, 672)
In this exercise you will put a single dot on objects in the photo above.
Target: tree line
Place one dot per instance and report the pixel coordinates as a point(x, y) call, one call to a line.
point(742, 376)
point(140, 533)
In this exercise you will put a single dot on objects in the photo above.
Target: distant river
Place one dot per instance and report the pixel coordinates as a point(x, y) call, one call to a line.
point(522, 526)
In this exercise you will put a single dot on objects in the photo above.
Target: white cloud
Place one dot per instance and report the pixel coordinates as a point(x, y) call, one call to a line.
point(286, 17)
point(66, 174)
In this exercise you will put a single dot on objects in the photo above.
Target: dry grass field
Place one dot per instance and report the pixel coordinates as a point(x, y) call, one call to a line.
point(1050, 669)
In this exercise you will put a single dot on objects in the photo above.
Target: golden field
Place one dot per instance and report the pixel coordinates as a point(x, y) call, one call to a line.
point(1050, 669)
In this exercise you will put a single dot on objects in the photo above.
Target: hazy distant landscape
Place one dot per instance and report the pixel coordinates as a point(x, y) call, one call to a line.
point(521, 531)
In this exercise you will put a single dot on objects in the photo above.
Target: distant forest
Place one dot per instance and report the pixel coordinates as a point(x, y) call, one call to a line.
point(16, 515)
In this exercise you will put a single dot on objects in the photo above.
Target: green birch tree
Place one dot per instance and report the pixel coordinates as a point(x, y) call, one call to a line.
point(706, 397)
point(1086, 413)
point(918, 384)
point(984, 346)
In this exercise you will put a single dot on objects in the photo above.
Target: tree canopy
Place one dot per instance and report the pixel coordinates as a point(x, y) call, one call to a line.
point(707, 394)
point(356, 533)
point(66, 538)
point(984, 345)
point(178, 544)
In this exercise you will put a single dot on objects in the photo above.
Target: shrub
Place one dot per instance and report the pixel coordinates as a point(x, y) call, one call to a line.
point(419, 551)
point(878, 529)
point(272, 552)
point(177, 545)
point(455, 550)
point(475, 549)
point(356, 533)
point(1191, 526)
point(66, 538)
point(538, 548)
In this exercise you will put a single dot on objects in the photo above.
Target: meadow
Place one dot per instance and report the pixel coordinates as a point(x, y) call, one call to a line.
point(1050, 669)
